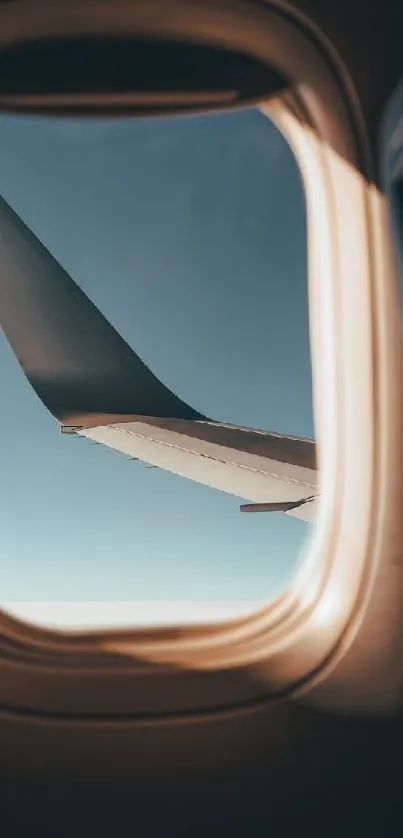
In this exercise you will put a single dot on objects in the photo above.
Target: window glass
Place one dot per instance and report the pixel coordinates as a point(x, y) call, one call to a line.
point(189, 235)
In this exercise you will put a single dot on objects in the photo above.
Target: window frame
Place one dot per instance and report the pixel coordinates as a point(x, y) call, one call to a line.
point(296, 639)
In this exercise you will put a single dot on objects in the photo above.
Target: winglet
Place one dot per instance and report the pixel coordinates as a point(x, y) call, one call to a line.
point(75, 360)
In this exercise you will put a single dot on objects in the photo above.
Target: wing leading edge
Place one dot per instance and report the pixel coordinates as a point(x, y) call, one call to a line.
point(95, 385)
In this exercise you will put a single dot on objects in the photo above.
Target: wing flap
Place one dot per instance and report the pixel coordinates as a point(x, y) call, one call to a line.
point(185, 448)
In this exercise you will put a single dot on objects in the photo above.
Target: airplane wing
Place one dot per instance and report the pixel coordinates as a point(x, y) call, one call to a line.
point(96, 386)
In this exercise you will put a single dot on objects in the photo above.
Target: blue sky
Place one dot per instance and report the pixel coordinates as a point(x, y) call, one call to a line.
point(189, 234)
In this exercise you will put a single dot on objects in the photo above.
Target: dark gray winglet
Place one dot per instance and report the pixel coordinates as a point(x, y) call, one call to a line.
point(74, 359)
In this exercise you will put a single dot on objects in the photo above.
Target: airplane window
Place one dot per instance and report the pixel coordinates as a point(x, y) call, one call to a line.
point(188, 234)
